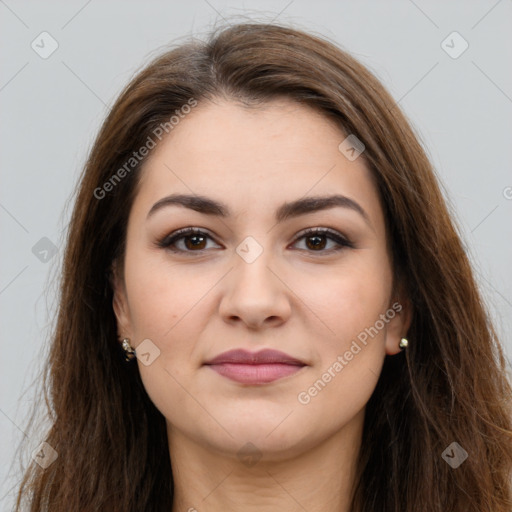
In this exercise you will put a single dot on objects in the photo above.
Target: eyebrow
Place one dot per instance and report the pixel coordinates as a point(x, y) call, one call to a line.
point(288, 210)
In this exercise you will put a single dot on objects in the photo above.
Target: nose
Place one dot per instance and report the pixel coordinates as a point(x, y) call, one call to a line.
point(255, 294)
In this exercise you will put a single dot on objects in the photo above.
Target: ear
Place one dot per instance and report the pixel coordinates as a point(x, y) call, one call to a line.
point(120, 302)
point(398, 325)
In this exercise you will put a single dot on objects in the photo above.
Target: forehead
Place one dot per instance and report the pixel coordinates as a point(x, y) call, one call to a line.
point(255, 158)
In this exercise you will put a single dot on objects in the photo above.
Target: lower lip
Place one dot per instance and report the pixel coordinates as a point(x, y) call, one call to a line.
point(255, 373)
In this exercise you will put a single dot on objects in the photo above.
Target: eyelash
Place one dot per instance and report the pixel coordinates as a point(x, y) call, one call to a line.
point(168, 241)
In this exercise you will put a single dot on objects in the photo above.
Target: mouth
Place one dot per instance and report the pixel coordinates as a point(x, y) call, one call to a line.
point(255, 368)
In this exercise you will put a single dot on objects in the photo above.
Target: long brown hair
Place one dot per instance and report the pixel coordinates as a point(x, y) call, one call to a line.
point(449, 386)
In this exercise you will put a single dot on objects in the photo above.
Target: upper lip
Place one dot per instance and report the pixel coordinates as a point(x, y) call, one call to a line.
point(266, 356)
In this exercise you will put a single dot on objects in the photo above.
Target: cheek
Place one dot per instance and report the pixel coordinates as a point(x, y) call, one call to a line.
point(350, 357)
point(168, 305)
point(166, 308)
point(161, 295)
point(350, 298)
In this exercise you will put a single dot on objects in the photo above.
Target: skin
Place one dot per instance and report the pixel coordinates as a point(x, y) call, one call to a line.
point(294, 298)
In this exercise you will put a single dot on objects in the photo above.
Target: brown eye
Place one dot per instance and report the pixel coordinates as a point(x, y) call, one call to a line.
point(323, 240)
point(186, 240)
point(194, 242)
point(316, 242)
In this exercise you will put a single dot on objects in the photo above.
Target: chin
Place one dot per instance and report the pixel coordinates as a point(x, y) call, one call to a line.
point(272, 439)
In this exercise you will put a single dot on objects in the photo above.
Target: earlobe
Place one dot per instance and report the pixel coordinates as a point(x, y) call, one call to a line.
point(398, 326)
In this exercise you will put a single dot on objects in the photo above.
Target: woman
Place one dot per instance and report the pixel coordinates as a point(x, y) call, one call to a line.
point(265, 304)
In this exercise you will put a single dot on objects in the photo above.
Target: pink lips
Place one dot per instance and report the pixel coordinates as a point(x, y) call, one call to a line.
point(255, 368)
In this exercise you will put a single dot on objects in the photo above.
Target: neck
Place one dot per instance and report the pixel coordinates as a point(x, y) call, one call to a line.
point(317, 478)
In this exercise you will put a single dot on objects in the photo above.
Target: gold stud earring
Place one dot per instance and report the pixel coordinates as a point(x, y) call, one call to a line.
point(404, 343)
point(129, 351)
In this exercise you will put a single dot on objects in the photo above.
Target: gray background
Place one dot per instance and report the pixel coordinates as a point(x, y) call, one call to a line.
point(51, 110)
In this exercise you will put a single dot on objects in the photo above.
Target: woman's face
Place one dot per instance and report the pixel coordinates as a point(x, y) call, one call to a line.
point(252, 280)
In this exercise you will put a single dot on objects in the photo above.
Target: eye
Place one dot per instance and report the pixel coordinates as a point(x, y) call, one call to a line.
point(194, 240)
point(316, 240)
